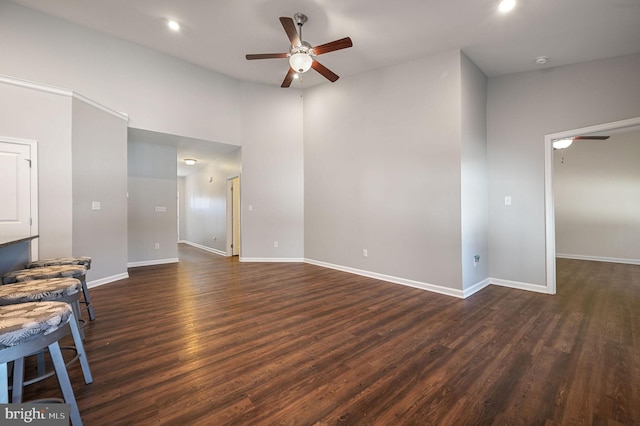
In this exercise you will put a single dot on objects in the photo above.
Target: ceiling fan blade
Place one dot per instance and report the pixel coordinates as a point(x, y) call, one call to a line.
point(593, 138)
point(326, 72)
point(290, 28)
point(266, 56)
point(288, 78)
point(343, 43)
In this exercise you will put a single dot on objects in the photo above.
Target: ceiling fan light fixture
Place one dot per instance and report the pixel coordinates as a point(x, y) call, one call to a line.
point(562, 143)
point(300, 62)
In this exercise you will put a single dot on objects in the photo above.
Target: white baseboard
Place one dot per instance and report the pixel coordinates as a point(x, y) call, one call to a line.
point(272, 259)
point(475, 288)
point(520, 285)
point(461, 294)
point(107, 280)
point(396, 280)
point(598, 258)
point(201, 247)
point(152, 262)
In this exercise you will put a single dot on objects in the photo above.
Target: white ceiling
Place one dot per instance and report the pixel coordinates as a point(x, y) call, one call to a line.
point(206, 152)
point(216, 34)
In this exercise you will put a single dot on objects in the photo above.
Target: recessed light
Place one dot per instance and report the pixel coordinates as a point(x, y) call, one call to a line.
point(541, 60)
point(505, 6)
point(190, 161)
point(173, 25)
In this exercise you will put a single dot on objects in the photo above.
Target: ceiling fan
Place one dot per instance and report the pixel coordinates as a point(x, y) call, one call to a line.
point(563, 143)
point(301, 54)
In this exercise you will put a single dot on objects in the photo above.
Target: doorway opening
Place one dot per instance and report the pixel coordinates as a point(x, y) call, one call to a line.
point(233, 216)
point(550, 231)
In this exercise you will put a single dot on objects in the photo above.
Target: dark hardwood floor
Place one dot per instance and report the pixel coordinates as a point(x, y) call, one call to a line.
point(212, 341)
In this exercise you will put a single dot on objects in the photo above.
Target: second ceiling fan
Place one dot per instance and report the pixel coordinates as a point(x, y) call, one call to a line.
point(563, 143)
point(301, 54)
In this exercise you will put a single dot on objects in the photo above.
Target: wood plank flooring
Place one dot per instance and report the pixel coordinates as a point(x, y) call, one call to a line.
point(212, 341)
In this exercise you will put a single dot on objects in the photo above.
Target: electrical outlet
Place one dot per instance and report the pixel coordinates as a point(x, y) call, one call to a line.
point(275, 244)
point(476, 260)
point(365, 253)
point(157, 246)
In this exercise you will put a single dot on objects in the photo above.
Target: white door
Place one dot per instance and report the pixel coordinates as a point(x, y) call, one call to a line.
point(15, 189)
point(235, 218)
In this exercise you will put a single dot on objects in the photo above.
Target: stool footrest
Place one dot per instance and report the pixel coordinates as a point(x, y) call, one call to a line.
point(51, 373)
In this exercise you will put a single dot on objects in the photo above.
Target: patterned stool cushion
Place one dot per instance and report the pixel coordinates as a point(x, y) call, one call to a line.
point(26, 321)
point(80, 260)
point(65, 271)
point(38, 290)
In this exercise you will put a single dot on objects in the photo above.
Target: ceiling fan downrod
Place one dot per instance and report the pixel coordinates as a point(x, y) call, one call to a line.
point(300, 19)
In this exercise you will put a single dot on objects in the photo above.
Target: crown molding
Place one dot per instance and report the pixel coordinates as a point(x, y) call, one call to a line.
point(62, 92)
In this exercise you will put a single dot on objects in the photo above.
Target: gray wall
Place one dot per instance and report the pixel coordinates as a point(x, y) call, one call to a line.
point(164, 94)
point(99, 153)
point(272, 173)
point(382, 171)
point(204, 200)
point(45, 118)
point(67, 183)
point(158, 92)
point(152, 184)
point(597, 199)
point(475, 187)
point(521, 109)
point(383, 151)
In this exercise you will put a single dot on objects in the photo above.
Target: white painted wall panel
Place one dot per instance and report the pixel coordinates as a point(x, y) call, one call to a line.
point(475, 185)
point(152, 186)
point(382, 171)
point(99, 162)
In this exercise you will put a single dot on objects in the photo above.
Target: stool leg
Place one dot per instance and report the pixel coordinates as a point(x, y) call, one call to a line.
point(4, 384)
point(18, 381)
point(87, 298)
point(75, 306)
point(65, 383)
point(77, 339)
point(40, 368)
